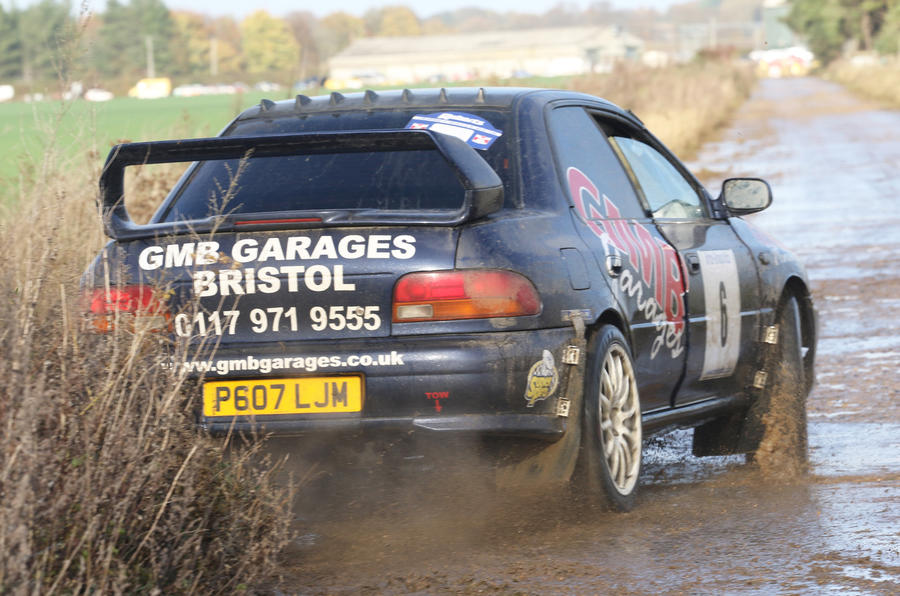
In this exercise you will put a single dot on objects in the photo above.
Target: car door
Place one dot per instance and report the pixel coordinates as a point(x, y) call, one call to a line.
point(641, 268)
point(720, 273)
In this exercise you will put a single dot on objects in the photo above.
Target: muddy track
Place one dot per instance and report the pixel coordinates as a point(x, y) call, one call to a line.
point(706, 525)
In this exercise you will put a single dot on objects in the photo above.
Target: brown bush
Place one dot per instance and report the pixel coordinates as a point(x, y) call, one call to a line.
point(146, 186)
point(682, 105)
point(878, 80)
point(106, 486)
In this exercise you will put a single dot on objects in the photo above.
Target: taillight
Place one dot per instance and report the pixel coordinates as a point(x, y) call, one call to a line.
point(463, 294)
point(136, 306)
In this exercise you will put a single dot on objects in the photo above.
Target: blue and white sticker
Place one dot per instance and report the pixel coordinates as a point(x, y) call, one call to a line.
point(476, 132)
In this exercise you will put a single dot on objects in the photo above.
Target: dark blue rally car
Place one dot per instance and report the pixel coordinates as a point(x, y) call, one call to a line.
point(503, 262)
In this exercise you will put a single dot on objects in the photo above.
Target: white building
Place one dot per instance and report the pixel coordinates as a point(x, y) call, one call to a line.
point(467, 56)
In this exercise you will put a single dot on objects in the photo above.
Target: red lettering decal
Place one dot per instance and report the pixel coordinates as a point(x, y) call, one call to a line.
point(624, 241)
point(587, 200)
point(437, 396)
point(651, 256)
point(657, 263)
point(619, 230)
point(612, 211)
point(615, 228)
point(674, 288)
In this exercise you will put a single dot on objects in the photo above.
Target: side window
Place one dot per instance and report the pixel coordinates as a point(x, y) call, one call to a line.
point(666, 191)
point(598, 185)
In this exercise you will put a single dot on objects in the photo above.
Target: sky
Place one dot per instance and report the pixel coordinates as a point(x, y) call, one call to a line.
point(423, 8)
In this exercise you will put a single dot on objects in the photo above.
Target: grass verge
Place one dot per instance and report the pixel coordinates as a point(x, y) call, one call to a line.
point(879, 81)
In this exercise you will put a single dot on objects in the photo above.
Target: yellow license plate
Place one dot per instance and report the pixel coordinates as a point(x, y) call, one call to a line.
point(259, 397)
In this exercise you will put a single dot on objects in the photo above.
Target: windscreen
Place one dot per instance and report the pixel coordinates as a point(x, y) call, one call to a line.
point(384, 180)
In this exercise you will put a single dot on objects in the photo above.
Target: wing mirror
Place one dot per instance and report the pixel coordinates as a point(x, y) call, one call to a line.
point(743, 196)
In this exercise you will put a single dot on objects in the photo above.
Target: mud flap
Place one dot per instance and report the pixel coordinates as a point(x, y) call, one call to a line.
point(553, 465)
point(721, 436)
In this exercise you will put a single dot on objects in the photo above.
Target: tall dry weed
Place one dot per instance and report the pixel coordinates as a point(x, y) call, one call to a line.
point(105, 484)
point(876, 80)
point(147, 186)
point(683, 105)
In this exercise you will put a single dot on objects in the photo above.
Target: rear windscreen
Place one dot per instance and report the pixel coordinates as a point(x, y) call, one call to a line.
point(383, 180)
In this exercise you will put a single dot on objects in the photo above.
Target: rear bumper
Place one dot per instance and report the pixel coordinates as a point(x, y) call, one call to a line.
point(464, 383)
point(538, 426)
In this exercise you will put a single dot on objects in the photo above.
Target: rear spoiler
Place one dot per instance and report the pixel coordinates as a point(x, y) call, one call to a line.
point(483, 188)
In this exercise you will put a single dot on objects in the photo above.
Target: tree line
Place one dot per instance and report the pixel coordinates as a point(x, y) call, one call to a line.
point(136, 38)
point(132, 39)
point(835, 27)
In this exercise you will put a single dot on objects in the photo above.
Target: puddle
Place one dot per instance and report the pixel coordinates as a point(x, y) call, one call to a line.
point(860, 346)
point(855, 449)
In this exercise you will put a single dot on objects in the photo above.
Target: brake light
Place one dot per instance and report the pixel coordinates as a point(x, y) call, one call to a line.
point(138, 305)
point(463, 294)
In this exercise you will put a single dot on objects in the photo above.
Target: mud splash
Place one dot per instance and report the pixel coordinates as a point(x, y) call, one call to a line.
point(782, 452)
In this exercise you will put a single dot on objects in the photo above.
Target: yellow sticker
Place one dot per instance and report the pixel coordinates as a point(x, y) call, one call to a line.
point(543, 379)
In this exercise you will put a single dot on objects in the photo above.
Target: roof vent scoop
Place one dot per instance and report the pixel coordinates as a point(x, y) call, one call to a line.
point(479, 97)
point(266, 105)
point(406, 96)
point(300, 101)
point(370, 97)
point(336, 98)
point(443, 96)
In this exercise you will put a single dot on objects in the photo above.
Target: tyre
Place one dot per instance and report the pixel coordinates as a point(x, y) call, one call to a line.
point(612, 437)
point(807, 331)
point(775, 427)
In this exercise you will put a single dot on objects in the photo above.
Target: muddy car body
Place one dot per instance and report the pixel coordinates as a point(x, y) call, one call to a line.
point(501, 261)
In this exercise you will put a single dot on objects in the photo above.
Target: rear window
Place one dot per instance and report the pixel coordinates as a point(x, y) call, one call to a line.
point(389, 180)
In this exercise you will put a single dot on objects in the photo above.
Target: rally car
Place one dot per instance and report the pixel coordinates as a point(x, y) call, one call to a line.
point(496, 261)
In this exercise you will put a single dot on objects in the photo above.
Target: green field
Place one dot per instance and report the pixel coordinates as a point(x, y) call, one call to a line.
point(73, 129)
point(27, 130)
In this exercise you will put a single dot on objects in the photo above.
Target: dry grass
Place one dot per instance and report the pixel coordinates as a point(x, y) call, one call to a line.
point(879, 81)
point(682, 105)
point(147, 186)
point(105, 484)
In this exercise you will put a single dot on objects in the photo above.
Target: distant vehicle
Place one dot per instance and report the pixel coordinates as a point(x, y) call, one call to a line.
point(267, 86)
point(349, 83)
point(783, 62)
point(493, 262)
point(308, 83)
point(190, 90)
point(98, 95)
point(151, 88)
point(196, 90)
